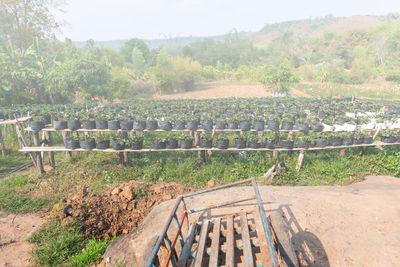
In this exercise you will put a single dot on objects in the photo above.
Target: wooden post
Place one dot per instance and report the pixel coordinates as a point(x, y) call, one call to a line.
point(39, 161)
point(202, 156)
point(49, 139)
point(21, 135)
point(3, 149)
point(342, 152)
point(125, 154)
point(68, 154)
point(275, 154)
point(300, 160)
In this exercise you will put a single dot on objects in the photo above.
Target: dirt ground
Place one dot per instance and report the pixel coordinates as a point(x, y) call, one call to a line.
point(14, 230)
point(355, 225)
point(222, 89)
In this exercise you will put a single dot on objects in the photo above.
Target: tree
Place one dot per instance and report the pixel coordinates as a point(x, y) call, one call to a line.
point(126, 50)
point(24, 20)
point(138, 61)
point(278, 78)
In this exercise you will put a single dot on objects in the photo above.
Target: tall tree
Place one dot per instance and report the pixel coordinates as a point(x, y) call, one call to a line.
point(24, 20)
point(126, 50)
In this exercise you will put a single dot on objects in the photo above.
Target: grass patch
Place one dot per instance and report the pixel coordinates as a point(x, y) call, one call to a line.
point(91, 254)
point(12, 202)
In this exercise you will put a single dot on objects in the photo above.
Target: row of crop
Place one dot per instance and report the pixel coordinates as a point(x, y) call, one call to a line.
point(175, 140)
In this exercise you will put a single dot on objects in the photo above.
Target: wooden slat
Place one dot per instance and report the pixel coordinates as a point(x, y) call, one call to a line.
point(247, 253)
point(202, 244)
point(184, 257)
point(5, 122)
point(215, 243)
point(262, 240)
point(230, 243)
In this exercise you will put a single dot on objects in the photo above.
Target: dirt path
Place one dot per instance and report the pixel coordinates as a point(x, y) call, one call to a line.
point(14, 230)
point(355, 225)
point(221, 89)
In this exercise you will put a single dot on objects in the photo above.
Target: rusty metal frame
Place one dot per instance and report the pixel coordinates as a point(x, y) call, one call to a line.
point(163, 238)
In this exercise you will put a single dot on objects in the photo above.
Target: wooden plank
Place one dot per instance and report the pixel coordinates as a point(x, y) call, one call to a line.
point(39, 161)
point(300, 160)
point(247, 252)
point(202, 245)
point(215, 243)
point(230, 243)
point(6, 122)
point(49, 139)
point(184, 257)
point(3, 148)
point(262, 240)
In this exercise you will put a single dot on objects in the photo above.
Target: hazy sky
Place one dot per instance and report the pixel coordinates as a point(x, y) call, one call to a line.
point(158, 19)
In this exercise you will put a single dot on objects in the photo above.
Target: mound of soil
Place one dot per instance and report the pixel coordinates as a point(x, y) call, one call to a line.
point(120, 210)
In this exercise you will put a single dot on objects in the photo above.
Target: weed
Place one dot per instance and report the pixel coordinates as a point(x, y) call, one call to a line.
point(92, 253)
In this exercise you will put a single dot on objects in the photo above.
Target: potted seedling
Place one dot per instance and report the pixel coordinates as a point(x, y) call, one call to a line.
point(239, 141)
point(206, 122)
point(119, 142)
point(87, 142)
point(72, 142)
point(137, 141)
point(101, 121)
point(192, 122)
point(186, 141)
point(336, 139)
point(220, 123)
point(158, 143)
point(269, 140)
point(273, 123)
point(206, 140)
point(348, 139)
point(171, 141)
point(59, 123)
point(388, 136)
point(166, 124)
point(126, 124)
point(139, 124)
point(87, 122)
point(286, 142)
point(358, 138)
point(37, 123)
point(114, 123)
point(151, 123)
point(252, 141)
point(302, 125)
point(102, 140)
point(232, 123)
point(179, 123)
point(73, 121)
point(259, 123)
point(304, 141)
point(287, 123)
point(222, 141)
point(320, 140)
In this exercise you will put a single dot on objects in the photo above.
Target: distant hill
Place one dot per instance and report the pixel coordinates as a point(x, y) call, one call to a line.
point(306, 28)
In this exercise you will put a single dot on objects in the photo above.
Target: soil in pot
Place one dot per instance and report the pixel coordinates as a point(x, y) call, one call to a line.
point(151, 125)
point(89, 125)
point(186, 144)
point(101, 124)
point(103, 144)
point(73, 125)
point(126, 125)
point(113, 125)
point(222, 143)
point(155, 144)
point(88, 145)
point(171, 144)
point(204, 143)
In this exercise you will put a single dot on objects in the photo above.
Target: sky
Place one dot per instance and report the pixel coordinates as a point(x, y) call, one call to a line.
point(159, 19)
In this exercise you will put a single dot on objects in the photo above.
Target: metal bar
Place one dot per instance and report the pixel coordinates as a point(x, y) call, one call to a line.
point(262, 241)
point(215, 243)
point(247, 253)
point(184, 258)
point(167, 243)
point(267, 229)
point(217, 188)
point(180, 223)
point(222, 204)
point(201, 245)
point(164, 232)
point(230, 243)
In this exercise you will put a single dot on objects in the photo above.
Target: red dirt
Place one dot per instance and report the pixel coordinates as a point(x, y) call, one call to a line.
point(120, 210)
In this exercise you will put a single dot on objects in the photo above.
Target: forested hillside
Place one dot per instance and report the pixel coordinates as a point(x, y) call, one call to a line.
point(37, 68)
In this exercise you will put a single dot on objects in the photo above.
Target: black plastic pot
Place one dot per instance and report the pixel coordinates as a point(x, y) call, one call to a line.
point(220, 125)
point(126, 125)
point(89, 125)
point(151, 125)
point(222, 144)
point(171, 144)
point(207, 125)
point(273, 125)
point(270, 144)
point(287, 126)
point(186, 144)
point(103, 144)
point(368, 140)
point(348, 141)
point(101, 124)
point(253, 144)
point(73, 125)
point(244, 125)
point(259, 125)
point(204, 143)
point(321, 142)
point(192, 125)
point(334, 141)
point(139, 125)
point(157, 144)
point(117, 146)
point(388, 139)
point(321, 114)
point(232, 125)
point(316, 127)
point(113, 125)
point(37, 125)
point(166, 125)
point(46, 119)
point(239, 143)
point(88, 145)
point(303, 144)
point(288, 144)
point(137, 145)
point(60, 125)
point(302, 127)
point(179, 125)
point(72, 143)
point(359, 141)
